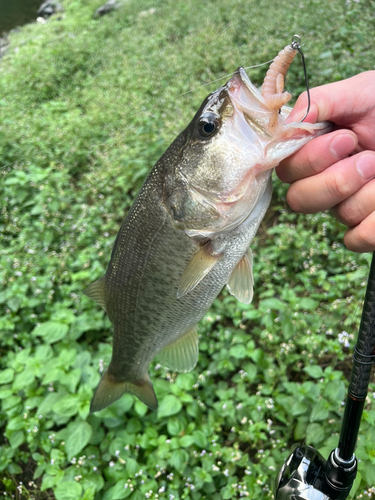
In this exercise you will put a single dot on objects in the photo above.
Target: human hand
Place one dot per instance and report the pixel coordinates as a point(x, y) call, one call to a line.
point(337, 171)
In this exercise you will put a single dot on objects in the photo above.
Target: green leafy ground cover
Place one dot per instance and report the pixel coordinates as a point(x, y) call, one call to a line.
point(87, 107)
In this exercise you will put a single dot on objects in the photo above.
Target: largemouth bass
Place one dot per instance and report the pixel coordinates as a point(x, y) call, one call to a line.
point(188, 232)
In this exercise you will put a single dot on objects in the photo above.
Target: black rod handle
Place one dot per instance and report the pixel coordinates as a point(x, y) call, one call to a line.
point(363, 358)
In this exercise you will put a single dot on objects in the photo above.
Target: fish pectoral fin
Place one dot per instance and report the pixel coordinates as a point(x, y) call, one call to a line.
point(200, 265)
point(182, 354)
point(96, 291)
point(241, 281)
point(110, 390)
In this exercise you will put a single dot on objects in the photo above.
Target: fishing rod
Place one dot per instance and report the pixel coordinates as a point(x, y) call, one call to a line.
point(306, 475)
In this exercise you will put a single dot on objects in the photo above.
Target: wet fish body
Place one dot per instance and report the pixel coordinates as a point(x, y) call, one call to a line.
point(188, 234)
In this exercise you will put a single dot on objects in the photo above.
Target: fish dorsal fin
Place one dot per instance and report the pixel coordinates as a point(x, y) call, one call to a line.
point(96, 291)
point(241, 281)
point(110, 390)
point(182, 354)
point(200, 265)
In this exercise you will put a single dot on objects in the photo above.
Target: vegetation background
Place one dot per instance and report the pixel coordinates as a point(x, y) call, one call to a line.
point(87, 106)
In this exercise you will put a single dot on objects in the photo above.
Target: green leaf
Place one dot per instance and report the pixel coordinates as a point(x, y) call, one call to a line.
point(368, 471)
point(14, 304)
point(6, 376)
point(79, 436)
point(68, 490)
point(356, 485)
point(300, 428)
point(238, 351)
point(175, 426)
point(288, 329)
point(14, 468)
point(335, 390)
point(274, 304)
point(48, 482)
point(118, 491)
point(23, 380)
point(16, 423)
point(16, 439)
point(10, 402)
point(186, 381)
point(51, 331)
point(48, 403)
point(67, 406)
point(298, 408)
point(200, 438)
point(53, 375)
point(95, 480)
point(71, 379)
point(170, 405)
point(307, 304)
point(186, 441)
point(179, 459)
point(140, 408)
point(314, 371)
point(5, 393)
point(89, 494)
point(132, 466)
point(315, 434)
point(320, 412)
point(67, 357)
point(252, 314)
point(37, 209)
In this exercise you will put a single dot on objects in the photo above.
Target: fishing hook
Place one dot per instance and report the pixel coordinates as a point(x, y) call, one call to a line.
point(296, 45)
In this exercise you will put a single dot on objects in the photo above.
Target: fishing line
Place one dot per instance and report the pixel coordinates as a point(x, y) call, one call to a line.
point(296, 45)
point(221, 78)
point(196, 88)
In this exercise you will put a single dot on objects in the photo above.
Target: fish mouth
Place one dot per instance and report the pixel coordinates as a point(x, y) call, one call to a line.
point(248, 101)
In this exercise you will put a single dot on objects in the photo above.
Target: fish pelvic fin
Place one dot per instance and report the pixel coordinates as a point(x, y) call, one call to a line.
point(110, 390)
point(241, 281)
point(182, 354)
point(96, 291)
point(200, 265)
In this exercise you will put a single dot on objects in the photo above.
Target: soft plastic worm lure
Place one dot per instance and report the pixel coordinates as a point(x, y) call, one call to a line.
point(273, 85)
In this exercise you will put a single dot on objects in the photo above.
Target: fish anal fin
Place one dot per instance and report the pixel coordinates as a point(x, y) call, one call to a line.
point(241, 281)
point(96, 291)
point(199, 266)
point(110, 390)
point(182, 354)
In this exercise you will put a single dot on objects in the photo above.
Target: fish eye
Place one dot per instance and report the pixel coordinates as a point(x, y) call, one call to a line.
point(207, 126)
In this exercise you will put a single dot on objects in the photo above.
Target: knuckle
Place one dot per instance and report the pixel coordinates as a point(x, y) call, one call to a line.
point(350, 212)
point(362, 237)
point(338, 188)
point(294, 200)
point(315, 163)
point(350, 242)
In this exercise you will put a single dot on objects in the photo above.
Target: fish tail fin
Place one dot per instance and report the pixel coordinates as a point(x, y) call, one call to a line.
point(110, 390)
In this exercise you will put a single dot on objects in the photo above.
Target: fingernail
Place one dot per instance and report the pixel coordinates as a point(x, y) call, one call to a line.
point(366, 165)
point(342, 145)
point(296, 115)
